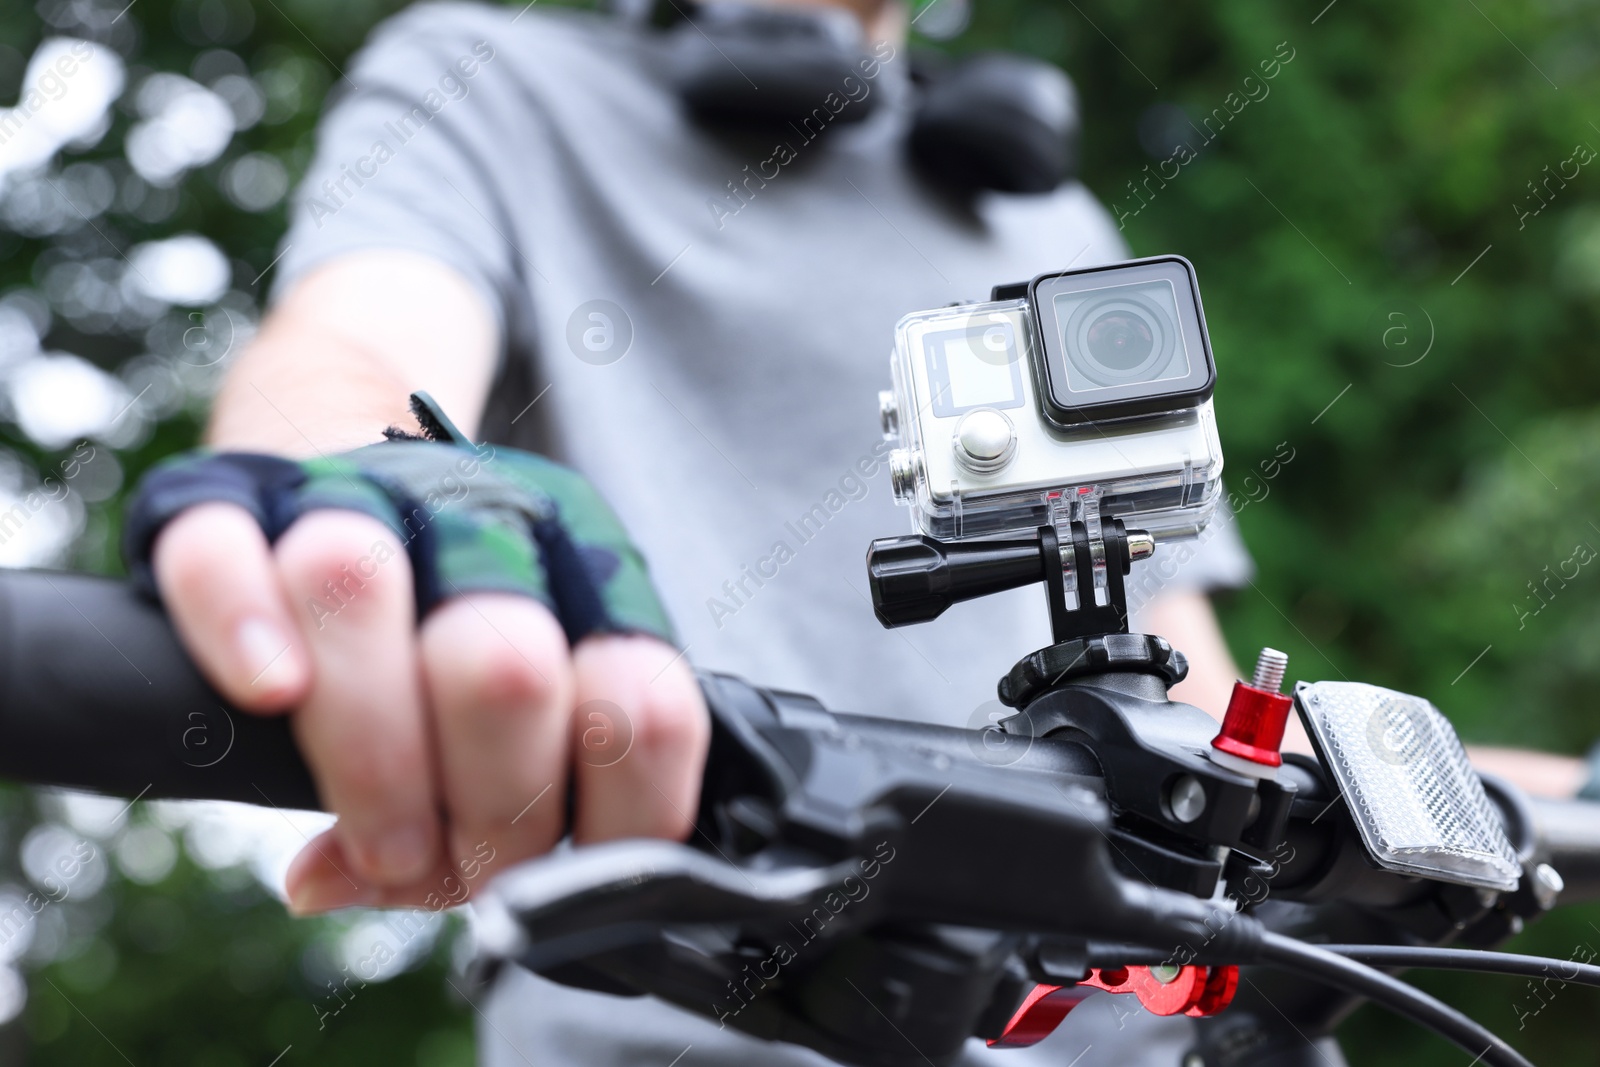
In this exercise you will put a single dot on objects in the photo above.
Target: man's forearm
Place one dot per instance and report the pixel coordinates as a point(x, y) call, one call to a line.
point(337, 358)
point(286, 397)
point(1540, 773)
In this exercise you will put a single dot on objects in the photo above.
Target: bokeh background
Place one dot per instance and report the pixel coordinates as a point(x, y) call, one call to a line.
point(1399, 242)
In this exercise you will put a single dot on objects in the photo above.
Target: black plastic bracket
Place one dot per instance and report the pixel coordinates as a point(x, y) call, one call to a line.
point(1088, 618)
point(1039, 672)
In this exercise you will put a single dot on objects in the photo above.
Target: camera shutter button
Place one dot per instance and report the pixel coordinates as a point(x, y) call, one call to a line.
point(984, 440)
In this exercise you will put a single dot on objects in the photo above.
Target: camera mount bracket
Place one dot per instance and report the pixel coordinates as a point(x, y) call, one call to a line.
point(914, 579)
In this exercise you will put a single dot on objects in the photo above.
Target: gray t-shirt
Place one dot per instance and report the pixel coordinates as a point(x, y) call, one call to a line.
point(700, 324)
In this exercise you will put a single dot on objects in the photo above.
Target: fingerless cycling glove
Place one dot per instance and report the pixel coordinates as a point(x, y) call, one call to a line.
point(471, 519)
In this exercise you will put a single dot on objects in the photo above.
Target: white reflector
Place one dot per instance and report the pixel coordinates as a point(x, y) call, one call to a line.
point(1405, 777)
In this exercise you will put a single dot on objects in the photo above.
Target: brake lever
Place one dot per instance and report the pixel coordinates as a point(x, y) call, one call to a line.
point(1196, 991)
point(587, 902)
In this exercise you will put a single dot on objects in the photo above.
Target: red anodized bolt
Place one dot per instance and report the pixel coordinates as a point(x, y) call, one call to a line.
point(1252, 731)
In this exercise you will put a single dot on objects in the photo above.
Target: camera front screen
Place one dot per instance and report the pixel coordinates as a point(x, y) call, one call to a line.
point(1122, 340)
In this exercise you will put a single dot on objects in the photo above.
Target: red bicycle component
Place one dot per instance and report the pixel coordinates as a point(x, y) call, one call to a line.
point(1252, 730)
point(1221, 984)
point(1191, 990)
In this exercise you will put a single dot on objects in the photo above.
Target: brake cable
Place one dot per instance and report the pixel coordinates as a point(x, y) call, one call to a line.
point(1466, 959)
point(1342, 965)
point(1477, 1041)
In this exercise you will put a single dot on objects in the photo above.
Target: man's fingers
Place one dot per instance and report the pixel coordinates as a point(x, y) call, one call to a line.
point(362, 727)
point(499, 681)
point(640, 731)
point(322, 878)
point(221, 589)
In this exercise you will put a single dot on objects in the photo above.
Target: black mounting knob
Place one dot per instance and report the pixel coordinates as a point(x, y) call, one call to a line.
point(914, 579)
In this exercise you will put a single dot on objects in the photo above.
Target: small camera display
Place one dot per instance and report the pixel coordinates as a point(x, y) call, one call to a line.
point(1122, 341)
point(974, 366)
point(1095, 380)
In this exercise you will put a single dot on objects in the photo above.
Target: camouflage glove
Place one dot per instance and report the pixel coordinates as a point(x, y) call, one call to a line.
point(471, 518)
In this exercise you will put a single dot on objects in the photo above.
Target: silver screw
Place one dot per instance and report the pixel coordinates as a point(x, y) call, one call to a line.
point(903, 473)
point(1270, 666)
point(1187, 798)
point(1141, 544)
point(1547, 885)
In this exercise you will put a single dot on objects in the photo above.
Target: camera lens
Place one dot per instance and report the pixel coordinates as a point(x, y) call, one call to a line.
point(1119, 342)
point(1119, 338)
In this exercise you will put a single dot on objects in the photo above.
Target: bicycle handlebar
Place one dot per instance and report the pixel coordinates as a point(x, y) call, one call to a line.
point(134, 717)
point(1567, 836)
point(96, 692)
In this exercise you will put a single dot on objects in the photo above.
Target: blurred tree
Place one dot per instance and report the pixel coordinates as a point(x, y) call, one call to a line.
point(1392, 212)
point(132, 265)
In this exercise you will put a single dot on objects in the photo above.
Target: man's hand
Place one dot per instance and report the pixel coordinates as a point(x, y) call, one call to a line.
point(445, 750)
point(445, 745)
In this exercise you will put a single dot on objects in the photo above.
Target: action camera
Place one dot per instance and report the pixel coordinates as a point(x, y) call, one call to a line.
point(1094, 381)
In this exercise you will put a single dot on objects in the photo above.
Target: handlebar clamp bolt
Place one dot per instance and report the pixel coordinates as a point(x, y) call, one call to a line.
point(1187, 798)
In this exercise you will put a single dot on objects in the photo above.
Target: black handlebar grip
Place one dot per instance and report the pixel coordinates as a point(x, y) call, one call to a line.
point(96, 692)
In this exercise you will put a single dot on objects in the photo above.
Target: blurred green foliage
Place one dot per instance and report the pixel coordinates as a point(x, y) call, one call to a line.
point(1401, 259)
point(1367, 237)
point(200, 967)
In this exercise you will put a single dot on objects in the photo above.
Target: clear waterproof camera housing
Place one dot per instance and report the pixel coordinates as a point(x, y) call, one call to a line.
point(1085, 385)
